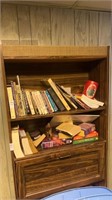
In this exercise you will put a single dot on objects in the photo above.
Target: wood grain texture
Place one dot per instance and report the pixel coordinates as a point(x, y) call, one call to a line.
point(81, 28)
point(93, 24)
point(62, 26)
point(6, 174)
point(10, 35)
point(85, 164)
point(24, 27)
point(50, 52)
point(61, 169)
point(40, 25)
point(9, 24)
point(105, 33)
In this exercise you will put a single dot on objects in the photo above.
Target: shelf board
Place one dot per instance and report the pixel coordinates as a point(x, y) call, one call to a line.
point(77, 111)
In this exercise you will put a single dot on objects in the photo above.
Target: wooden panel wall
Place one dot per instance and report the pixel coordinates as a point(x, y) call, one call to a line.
point(26, 24)
point(22, 24)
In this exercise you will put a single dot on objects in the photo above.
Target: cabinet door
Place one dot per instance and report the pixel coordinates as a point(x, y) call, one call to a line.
point(52, 171)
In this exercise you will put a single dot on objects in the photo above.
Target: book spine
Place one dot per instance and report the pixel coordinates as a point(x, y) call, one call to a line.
point(52, 84)
point(84, 140)
point(81, 103)
point(14, 97)
point(34, 103)
point(21, 109)
point(11, 103)
point(44, 109)
point(30, 102)
point(25, 101)
point(39, 140)
point(36, 100)
point(47, 104)
point(52, 101)
point(56, 99)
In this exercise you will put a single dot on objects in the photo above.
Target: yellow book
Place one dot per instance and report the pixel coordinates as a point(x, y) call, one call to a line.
point(26, 146)
point(69, 128)
point(54, 87)
point(16, 143)
point(64, 136)
point(11, 103)
point(81, 133)
point(33, 148)
point(39, 140)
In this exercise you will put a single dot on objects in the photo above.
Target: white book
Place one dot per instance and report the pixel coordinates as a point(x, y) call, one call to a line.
point(37, 101)
point(28, 95)
point(44, 109)
point(90, 102)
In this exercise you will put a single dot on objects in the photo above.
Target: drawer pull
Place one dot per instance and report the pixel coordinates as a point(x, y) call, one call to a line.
point(65, 156)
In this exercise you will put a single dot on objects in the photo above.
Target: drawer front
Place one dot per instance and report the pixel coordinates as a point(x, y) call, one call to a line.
point(74, 168)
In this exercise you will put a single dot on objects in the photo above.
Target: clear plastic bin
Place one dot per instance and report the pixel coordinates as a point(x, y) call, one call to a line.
point(84, 193)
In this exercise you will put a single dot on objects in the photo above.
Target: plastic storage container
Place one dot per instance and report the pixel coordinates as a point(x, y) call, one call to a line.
point(84, 193)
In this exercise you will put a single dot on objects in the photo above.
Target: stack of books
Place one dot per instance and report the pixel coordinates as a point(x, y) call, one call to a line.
point(55, 98)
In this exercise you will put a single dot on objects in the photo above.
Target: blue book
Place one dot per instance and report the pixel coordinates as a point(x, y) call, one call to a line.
point(56, 99)
point(54, 106)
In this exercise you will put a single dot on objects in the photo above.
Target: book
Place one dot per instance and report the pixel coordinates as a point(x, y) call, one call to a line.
point(13, 86)
point(52, 102)
point(67, 96)
point(11, 103)
point(84, 140)
point(92, 103)
point(25, 142)
point(80, 103)
point(63, 135)
point(47, 103)
point(39, 140)
point(54, 87)
point(26, 147)
point(16, 143)
point(57, 103)
point(32, 146)
point(69, 128)
point(36, 100)
point(87, 127)
point(21, 108)
point(41, 103)
point(25, 101)
point(28, 95)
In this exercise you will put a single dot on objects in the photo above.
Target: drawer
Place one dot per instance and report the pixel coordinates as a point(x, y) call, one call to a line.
point(60, 168)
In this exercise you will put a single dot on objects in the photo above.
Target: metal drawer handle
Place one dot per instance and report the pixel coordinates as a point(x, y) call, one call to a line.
point(64, 157)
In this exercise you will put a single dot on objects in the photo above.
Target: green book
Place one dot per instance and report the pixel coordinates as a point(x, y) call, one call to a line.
point(84, 140)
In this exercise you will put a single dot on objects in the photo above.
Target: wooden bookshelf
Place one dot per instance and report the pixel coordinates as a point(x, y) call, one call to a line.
point(68, 166)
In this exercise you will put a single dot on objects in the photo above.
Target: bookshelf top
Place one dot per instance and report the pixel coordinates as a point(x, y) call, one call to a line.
point(32, 52)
